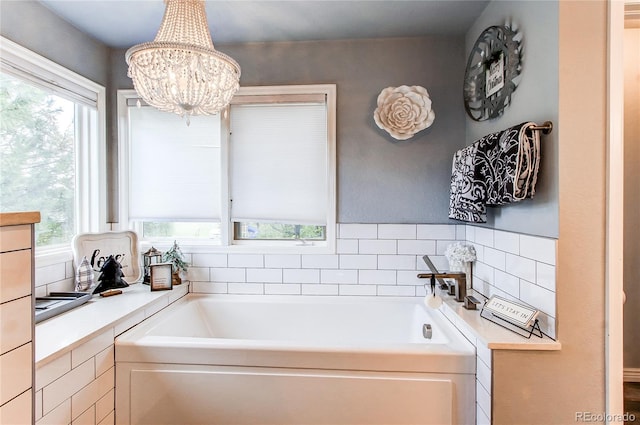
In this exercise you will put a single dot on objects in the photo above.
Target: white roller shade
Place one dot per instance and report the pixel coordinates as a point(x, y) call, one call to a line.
point(175, 168)
point(279, 163)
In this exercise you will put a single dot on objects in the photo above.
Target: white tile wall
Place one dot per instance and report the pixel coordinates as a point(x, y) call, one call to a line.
point(78, 387)
point(516, 266)
point(371, 259)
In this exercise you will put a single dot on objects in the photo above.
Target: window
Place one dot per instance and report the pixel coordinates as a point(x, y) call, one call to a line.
point(261, 173)
point(50, 146)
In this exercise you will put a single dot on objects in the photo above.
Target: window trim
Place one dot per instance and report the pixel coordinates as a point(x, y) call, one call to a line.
point(227, 242)
point(90, 158)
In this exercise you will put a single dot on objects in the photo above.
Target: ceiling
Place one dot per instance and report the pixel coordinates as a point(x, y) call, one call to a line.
point(123, 23)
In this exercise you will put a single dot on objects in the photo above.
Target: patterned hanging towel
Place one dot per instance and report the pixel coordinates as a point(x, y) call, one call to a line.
point(498, 169)
point(467, 196)
point(84, 276)
point(506, 164)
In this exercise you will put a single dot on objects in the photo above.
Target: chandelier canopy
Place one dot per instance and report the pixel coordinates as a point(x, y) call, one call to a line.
point(180, 71)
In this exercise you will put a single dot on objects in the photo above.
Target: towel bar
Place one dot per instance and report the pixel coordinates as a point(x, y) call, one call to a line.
point(546, 127)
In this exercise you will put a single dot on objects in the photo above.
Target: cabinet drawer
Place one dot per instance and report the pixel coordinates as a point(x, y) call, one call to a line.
point(18, 411)
point(15, 237)
point(15, 324)
point(16, 369)
point(15, 275)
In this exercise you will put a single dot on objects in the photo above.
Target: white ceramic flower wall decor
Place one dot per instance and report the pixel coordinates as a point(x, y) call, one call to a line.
point(404, 111)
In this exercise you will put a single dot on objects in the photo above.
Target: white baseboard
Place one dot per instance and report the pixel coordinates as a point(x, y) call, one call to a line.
point(631, 374)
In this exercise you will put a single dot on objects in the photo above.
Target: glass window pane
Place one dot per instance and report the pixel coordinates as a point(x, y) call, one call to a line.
point(181, 230)
point(278, 231)
point(37, 158)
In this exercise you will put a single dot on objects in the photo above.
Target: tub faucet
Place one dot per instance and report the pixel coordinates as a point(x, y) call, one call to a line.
point(458, 289)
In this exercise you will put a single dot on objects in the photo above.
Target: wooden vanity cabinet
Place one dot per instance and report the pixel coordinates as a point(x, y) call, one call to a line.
point(16, 317)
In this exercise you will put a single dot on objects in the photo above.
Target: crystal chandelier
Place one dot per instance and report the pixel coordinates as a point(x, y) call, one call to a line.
point(180, 71)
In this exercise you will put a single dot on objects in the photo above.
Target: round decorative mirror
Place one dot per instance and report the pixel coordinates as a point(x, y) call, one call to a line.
point(491, 75)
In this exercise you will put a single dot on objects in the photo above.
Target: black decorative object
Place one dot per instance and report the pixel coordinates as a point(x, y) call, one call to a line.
point(111, 276)
point(492, 72)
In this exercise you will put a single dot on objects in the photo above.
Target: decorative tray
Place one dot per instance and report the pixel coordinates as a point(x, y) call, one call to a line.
point(58, 302)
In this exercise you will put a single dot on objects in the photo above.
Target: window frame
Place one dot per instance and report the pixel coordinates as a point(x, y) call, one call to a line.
point(227, 242)
point(90, 140)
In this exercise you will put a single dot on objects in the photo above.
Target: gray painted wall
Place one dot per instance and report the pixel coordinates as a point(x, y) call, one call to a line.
point(33, 26)
point(535, 99)
point(379, 180)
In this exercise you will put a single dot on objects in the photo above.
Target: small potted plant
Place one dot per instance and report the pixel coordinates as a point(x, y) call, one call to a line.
point(175, 256)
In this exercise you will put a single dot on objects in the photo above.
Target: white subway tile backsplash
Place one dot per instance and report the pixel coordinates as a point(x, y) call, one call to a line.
point(264, 275)
point(104, 406)
point(301, 276)
point(347, 246)
point(245, 260)
point(319, 261)
point(48, 274)
point(358, 261)
point(483, 375)
point(90, 394)
point(67, 385)
point(198, 274)
point(324, 289)
point(507, 283)
point(471, 233)
point(481, 416)
point(92, 347)
point(506, 241)
point(494, 258)
point(484, 272)
point(522, 267)
point(396, 231)
point(436, 231)
point(209, 287)
point(379, 277)
point(396, 291)
point(440, 261)
point(396, 262)
point(339, 276)
point(228, 275)
point(209, 260)
point(538, 297)
point(53, 370)
point(546, 276)
point(105, 360)
point(60, 415)
point(375, 246)
point(537, 248)
point(484, 236)
point(357, 231)
point(246, 288)
point(409, 277)
point(484, 354)
point(109, 419)
point(38, 405)
point(442, 245)
point(283, 289)
point(283, 261)
point(357, 290)
point(417, 247)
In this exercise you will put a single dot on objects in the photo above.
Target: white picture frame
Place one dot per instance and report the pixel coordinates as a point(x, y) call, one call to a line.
point(97, 247)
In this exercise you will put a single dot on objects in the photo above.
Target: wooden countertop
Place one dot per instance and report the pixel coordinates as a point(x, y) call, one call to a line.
point(17, 218)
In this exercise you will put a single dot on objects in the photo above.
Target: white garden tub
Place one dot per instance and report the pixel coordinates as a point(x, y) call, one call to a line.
point(222, 359)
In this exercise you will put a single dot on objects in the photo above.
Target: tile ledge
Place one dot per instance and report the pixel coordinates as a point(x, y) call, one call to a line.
point(490, 334)
point(56, 336)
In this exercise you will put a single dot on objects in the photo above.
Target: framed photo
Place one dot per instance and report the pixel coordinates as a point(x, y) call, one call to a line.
point(97, 247)
point(161, 277)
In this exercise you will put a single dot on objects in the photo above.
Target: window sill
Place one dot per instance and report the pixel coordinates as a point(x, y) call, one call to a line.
point(50, 256)
point(247, 248)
